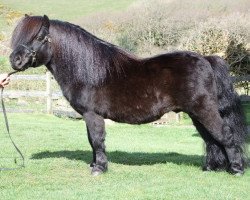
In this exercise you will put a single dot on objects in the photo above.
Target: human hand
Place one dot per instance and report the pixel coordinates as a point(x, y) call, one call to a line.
point(4, 80)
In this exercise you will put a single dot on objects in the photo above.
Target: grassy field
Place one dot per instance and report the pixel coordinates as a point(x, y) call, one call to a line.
point(66, 10)
point(146, 162)
point(63, 9)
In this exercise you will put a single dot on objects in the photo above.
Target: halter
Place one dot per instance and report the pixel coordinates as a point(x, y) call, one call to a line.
point(34, 52)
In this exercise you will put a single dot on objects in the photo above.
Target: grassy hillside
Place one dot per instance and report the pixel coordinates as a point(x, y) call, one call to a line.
point(64, 9)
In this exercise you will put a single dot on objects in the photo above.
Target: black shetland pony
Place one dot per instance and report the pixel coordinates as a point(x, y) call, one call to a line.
point(100, 81)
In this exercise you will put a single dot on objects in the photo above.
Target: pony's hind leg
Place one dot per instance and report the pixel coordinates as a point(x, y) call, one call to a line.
point(216, 157)
point(92, 164)
point(96, 134)
point(221, 132)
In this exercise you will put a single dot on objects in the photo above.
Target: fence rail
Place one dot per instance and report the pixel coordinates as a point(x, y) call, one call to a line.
point(50, 95)
point(29, 77)
point(30, 93)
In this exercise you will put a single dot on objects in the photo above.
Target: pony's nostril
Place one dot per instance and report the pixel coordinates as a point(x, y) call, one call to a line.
point(18, 60)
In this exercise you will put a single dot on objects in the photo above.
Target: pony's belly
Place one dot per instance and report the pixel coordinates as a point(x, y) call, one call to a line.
point(138, 109)
point(137, 116)
point(135, 119)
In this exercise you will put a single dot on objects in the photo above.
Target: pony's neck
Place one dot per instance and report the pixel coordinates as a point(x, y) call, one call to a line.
point(82, 57)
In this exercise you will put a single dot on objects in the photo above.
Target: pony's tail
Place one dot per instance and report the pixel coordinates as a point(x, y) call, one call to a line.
point(230, 107)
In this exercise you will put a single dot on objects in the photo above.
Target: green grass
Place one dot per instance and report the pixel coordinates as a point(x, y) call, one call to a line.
point(60, 9)
point(146, 162)
point(64, 9)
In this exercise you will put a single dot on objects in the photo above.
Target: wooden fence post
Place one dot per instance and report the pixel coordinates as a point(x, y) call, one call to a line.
point(178, 117)
point(48, 92)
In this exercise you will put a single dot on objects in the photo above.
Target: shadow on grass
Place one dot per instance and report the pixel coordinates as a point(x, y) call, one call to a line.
point(196, 135)
point(126, 158)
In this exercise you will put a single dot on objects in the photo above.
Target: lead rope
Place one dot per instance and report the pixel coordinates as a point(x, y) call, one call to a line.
point(8, 131)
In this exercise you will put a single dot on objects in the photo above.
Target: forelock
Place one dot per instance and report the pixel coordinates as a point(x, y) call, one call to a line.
point(25, 31)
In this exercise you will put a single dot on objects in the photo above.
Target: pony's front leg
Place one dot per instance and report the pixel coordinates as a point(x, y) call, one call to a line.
point(96, 134)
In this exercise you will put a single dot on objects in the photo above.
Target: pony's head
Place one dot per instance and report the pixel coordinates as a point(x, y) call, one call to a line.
point(31, 43)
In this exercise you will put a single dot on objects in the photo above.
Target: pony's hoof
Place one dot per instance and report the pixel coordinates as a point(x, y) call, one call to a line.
point(206, 169)
point(239, 174)
point(96, 171)
point(236, 170)
point(92, 165)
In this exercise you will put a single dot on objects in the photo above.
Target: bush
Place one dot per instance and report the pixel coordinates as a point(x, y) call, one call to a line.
point(127, 43)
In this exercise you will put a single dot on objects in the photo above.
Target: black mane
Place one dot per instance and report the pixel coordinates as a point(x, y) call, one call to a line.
point(94, 60)
point(100, 60)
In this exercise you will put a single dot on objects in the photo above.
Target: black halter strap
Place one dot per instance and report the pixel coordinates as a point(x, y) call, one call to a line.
point(8, 131)
point(34, 52)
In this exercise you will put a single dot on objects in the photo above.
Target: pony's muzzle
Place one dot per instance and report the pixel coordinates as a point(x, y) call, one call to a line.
point(20, 61)
point(16, 61)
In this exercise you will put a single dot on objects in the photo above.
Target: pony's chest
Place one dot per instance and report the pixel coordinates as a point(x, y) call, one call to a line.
point(78, 97)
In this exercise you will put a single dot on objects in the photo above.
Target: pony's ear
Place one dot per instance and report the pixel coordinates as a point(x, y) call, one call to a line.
point(46, 21)
point(26, 15)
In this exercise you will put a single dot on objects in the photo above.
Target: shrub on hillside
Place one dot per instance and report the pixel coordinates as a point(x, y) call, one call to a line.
point(227, 37)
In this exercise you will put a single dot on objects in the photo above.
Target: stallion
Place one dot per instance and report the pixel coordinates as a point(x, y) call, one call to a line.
point(102, 81)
